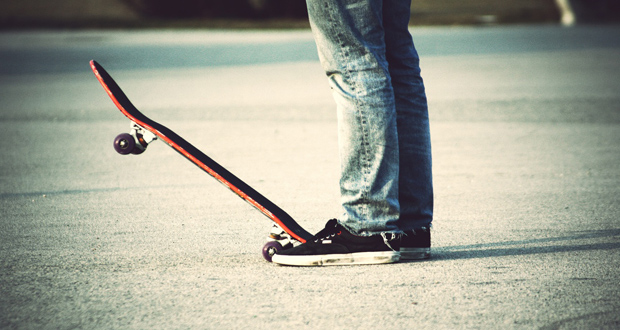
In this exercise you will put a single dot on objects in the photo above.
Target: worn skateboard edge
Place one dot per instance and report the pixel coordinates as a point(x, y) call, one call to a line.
point(197, 157)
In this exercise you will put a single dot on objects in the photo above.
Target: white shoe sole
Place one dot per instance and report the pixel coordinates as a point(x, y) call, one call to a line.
point(360, 258)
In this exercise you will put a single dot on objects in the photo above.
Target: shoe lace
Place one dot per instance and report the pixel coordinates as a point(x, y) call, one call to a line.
point(387, 240)
point(331, 229)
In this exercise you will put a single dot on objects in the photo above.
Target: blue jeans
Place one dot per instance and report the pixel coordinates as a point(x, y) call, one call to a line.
point(384, 137)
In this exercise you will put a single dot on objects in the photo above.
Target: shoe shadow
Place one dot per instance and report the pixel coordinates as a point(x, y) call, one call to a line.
point(583, 241)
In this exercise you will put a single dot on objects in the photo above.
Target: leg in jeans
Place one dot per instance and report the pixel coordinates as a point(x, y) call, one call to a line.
point(415, 180)
point(373, 68)
point(351, 44)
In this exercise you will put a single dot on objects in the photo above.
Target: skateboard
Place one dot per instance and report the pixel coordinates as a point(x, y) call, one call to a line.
point(285, 232)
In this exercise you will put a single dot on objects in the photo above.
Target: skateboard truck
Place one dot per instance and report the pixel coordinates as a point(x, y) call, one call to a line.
point(278, 240)
point(134, 142)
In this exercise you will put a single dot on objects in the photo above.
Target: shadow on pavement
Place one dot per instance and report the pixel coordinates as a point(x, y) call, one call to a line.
point(529, 246)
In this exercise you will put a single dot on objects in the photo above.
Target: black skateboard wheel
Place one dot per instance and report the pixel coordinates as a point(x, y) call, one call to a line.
point(140, 146)
point(124, 144)
point(137, 151)
point(270, 249)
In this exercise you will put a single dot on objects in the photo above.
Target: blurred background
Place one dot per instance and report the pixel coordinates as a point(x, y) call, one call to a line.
point(286, 13)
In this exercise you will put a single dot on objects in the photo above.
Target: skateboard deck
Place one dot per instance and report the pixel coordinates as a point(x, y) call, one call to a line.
point(286, 231)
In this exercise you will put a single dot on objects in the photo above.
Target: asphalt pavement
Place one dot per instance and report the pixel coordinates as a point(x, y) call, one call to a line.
point(525, 124)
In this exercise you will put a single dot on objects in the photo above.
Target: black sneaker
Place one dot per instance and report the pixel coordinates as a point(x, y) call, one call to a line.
point(416, 244)
point(335, 245)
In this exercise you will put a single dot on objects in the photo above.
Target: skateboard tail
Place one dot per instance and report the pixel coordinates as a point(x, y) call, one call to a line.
point(124, 101)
